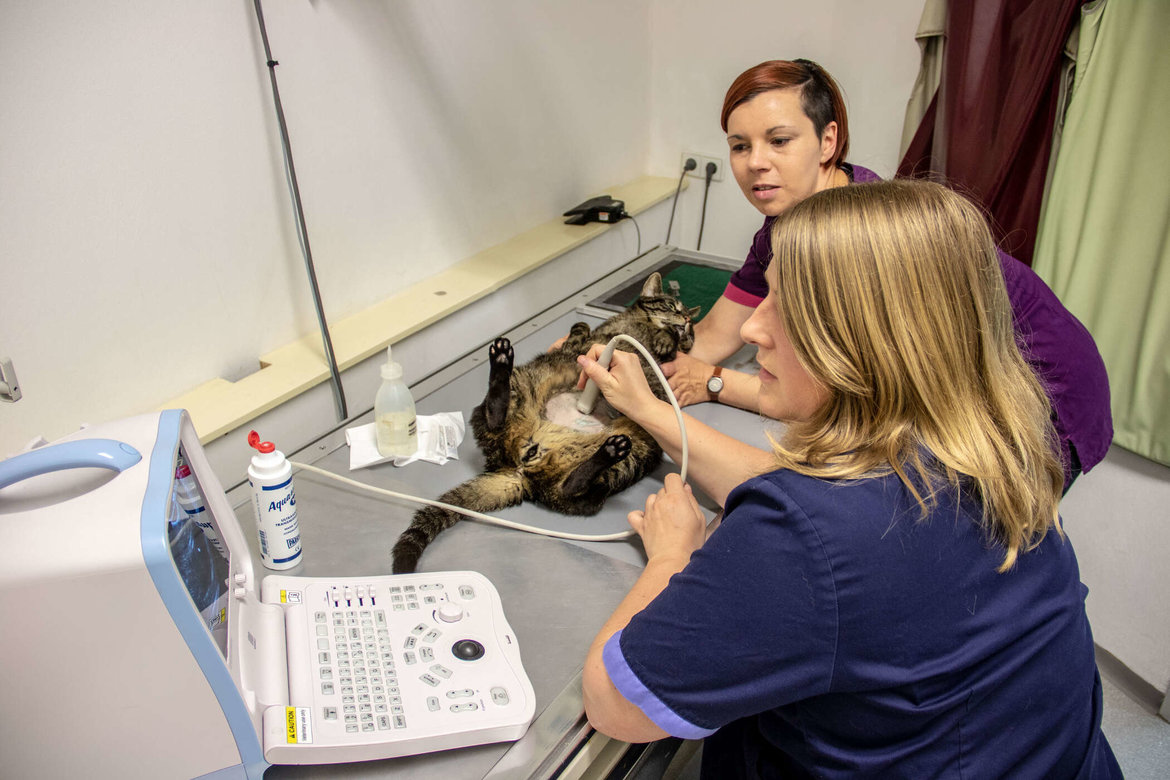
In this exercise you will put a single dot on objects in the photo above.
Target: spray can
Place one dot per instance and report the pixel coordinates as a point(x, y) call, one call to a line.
point(394, 418)
point(270, 476)
point(190, 499)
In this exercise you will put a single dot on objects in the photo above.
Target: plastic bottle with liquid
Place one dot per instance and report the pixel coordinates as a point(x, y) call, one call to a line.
point(190, 499)
point(394, 417)
point(270, 476)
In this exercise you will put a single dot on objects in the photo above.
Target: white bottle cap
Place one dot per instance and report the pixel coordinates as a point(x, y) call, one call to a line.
point(391, 370)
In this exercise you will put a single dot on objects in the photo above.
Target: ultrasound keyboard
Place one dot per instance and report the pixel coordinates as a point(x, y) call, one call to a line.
point(394, 665)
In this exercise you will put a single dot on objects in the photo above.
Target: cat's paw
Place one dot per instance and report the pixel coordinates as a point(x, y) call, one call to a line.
point(501, 352)
point(617, 447)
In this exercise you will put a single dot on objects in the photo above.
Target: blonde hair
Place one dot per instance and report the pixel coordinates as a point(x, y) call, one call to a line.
point(894, 301)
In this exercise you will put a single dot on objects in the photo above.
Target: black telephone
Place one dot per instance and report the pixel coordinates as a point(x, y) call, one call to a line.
point(600, 209)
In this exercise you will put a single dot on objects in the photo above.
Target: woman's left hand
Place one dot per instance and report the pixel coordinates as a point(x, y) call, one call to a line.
point(672, 524)
point(688, 378)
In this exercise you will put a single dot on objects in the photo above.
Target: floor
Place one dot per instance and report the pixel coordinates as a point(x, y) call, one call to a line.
point(1139, 738)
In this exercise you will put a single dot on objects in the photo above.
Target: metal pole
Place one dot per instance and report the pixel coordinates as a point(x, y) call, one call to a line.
point(299, 214)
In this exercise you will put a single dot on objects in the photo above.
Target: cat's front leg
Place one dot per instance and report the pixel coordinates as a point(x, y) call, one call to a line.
point(499, 392)
point(612, 450)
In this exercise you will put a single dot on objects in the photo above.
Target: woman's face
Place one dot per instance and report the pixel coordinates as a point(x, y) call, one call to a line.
point(775, 153)
point(787, 391)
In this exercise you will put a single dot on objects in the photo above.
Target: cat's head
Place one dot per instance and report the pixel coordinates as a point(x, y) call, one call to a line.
point(667, 313)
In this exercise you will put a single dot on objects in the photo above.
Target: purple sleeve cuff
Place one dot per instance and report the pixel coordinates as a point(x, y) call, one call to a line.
point(628, 685)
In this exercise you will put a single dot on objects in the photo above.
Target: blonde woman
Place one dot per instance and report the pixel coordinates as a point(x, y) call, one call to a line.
point(894, 597)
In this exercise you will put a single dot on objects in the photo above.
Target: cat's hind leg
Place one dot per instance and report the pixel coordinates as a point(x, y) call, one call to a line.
point(614, 449)
point(499, 392)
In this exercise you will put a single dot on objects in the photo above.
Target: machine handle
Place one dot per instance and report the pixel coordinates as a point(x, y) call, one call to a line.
point(85, 453)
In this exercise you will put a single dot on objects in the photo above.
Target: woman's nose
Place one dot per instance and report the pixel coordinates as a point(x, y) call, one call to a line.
point(758, 158)
point(749, 331)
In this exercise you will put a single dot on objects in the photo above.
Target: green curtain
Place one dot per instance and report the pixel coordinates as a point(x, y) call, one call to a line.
point(1104, 239)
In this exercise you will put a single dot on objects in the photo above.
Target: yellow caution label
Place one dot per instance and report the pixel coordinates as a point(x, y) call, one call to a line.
point(298, 725)
point(284, 597)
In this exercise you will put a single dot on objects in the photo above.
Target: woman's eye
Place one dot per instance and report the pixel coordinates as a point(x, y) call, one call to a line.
point(739, 147)
point(780, 141)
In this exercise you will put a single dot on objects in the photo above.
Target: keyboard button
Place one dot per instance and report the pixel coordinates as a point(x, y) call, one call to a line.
point(467, 706)
point(430, 680)
point(500, 696)
point(330, 713)
point(383, 722)
point(433, 703)
point(326, 689)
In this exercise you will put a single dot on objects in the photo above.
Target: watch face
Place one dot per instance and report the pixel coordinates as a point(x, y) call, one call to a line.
point(714, 384)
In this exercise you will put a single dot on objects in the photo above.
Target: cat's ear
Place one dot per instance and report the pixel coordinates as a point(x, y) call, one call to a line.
point(694, 311)
point(652, 287)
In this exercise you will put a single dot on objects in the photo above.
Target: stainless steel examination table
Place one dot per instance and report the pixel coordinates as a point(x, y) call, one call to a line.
point(556, 594)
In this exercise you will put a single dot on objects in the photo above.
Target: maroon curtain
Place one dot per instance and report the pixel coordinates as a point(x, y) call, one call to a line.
point(999, 92)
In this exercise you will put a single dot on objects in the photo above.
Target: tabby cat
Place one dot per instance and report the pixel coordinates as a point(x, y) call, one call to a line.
point(566, 468)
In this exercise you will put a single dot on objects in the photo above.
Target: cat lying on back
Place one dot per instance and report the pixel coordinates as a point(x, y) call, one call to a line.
point(566, 469)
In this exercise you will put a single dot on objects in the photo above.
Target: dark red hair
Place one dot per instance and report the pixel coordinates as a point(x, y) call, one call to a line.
point(820, 97)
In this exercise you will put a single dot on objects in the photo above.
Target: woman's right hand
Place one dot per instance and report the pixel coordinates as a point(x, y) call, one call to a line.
point(623, 385)
point(672, 525)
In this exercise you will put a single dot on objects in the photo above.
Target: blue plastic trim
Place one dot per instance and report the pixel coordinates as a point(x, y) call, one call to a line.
point(84, 453)
point(156, 553)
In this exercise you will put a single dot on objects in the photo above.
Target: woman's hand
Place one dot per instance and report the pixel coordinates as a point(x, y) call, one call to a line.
point(623, 385)
point(688, 378)
point(672, 526)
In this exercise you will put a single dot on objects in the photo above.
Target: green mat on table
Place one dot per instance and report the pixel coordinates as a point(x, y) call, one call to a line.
point(698, 285)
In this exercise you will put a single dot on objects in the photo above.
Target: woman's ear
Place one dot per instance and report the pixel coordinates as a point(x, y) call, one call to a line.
point(828, 143)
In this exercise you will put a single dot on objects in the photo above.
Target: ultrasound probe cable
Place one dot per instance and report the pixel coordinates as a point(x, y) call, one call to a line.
point(520, 526)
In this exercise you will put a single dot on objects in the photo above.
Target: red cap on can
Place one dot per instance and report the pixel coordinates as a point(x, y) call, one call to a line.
point(262, 446)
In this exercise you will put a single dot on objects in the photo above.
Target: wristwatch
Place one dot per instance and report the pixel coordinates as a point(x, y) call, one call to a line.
point(715, 384)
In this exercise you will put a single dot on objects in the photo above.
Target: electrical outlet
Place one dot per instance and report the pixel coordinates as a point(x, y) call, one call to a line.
point(700, 171)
